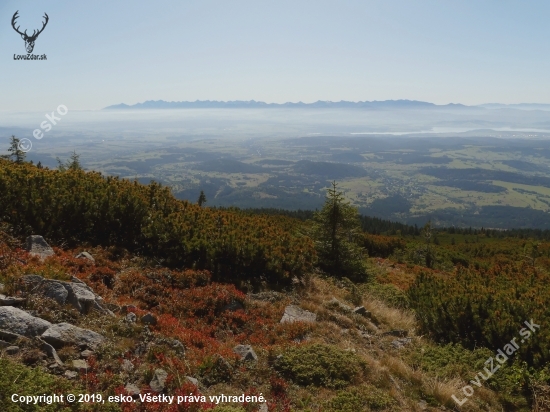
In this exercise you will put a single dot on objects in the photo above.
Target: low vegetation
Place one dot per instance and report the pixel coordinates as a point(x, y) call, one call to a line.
point(407, 327)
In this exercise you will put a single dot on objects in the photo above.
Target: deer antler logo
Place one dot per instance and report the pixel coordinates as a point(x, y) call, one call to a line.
point(29, 40)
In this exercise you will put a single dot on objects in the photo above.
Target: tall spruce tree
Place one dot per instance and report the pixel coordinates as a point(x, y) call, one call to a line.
point(202, 199)
point(16, 154)
point(335, 231)
point(73, 163)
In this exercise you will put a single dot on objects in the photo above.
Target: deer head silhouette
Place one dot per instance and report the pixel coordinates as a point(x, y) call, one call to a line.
point(29, 40)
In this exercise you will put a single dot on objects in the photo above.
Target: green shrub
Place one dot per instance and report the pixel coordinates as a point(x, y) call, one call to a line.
point(22, 380)
point(389, 294)
point(363, 398)
point(321, 365)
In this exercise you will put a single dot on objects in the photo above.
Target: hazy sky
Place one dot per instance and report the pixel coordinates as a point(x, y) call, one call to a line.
point(107, 52)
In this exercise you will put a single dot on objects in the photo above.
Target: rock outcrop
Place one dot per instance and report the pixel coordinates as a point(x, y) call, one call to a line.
point(158, 381)
point(85, 255)
point(245, 352)
point(63, 334)
point(37, 246)
point(14, 320)
point(75, 292)
point(294, 313)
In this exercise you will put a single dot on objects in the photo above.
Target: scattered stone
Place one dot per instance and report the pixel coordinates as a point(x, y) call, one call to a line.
point(51, 352)
point(54, 290)
point(80, 365)
point(37, 246)
point(12, 350)
point(399, 343)
point(192, 380)
point(127, 366)
point(178, 346)
point(294, 313)
point(245, 352)
point(399, 333)
point(10, 301)
point(360, 310)
point(159, 378)
point(131, 317)
point(71, 374)
point(149, 319)
point(263, 408)
point(85, 354)
point(141, 349)
point(80, 296)
point(85, 255)
point(20, 322)
point(66, 334)
point(4, 344)
point(132, 389)
point(423, 405)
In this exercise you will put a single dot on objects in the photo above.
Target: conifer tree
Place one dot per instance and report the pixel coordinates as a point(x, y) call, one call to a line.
point(73, 163)
point(202, 199)
point(16, 154)
point(334, 230)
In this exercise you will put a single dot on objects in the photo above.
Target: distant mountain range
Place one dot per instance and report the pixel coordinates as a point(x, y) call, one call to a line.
point(373, 105)
point(252, 104)
point(521, 106)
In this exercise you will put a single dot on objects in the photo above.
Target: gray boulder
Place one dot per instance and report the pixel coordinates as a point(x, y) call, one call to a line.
point(10, 301)
point(31, 281)
point(245, 352)
point(132, 389)
point(66, 334)
point(158, 381)
point(37, 246)
point(80, 365)
point(149, 319)
point(71, 374)
point(85, 255)
point(127, 366)
point(80, 296)
point(131, 317)
point(20, 322)
point(54, 290)
point(76, 292)
point(294, 313)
